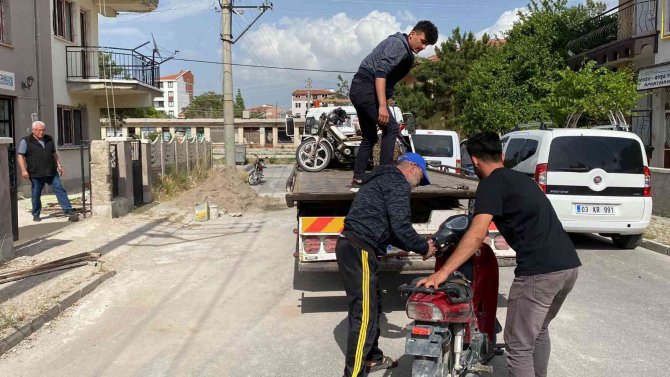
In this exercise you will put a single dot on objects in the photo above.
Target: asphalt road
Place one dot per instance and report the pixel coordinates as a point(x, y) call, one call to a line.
point(221, 298)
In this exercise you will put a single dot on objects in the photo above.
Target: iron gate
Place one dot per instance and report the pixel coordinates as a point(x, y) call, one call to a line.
point(136, 156)
point(13, 188)
point(114, 164)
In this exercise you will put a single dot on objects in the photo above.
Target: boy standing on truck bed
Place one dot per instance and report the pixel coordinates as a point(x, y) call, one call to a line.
point(373, 84)
point(380, 215)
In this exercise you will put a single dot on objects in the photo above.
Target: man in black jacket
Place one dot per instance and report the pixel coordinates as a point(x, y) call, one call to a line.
point(373, 84)
point(379, 216)
point(38, 161)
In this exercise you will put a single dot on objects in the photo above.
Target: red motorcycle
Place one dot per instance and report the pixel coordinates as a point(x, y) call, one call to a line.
point(454, 328)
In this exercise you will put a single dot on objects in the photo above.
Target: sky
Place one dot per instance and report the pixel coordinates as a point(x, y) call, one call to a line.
point(319, 34)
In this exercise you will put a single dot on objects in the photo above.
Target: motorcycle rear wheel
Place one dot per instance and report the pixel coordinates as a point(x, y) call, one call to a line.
point(254, 178)
point(312, 157)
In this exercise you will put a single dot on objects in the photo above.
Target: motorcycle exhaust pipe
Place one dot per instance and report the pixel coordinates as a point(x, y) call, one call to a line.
point(458, 347)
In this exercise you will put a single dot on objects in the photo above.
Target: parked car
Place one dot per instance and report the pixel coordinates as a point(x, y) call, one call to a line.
point(439, 147)
point(467, 167)
point(598, 180)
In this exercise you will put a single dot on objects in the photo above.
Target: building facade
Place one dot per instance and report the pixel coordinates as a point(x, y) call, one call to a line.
point(636, 34)
point(266, 112)
point(303, 99)
point(52, 69)
point(177, 93)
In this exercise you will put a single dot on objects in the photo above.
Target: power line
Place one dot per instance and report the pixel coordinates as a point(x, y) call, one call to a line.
point(265, 66)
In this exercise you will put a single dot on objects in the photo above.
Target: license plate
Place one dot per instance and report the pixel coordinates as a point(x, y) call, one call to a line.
point(594, 209)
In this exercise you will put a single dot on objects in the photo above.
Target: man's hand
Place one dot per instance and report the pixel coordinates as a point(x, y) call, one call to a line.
point(60, 170)
point(434, 280)
point(24, 175)
point(383, 118)
point(431, 249)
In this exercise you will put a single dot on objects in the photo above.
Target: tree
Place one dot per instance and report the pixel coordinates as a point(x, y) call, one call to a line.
point(510, 85)
point(342, 87)
point(257, 114)
point(592, 91)
point(432, 97)
point(206, 105)
point(238, 106)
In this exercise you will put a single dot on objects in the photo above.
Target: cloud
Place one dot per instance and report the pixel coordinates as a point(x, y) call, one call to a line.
point(407, 16)
point(503, 24)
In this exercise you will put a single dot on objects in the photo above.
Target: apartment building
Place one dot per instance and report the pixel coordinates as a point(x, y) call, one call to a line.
point(177, 93)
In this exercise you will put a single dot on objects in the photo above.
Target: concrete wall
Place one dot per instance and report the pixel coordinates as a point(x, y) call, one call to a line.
point(660, 191)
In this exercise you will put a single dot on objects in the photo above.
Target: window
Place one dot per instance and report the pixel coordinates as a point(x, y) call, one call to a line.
point(170, 103)
point(160, 104)
point(170, 84)
point(62, 19)
point(171, 113)
point(585, 153)
point(297, 105)
point(434, 145)
point(69, 126)
point(513, 152)
point(6, 127)
point(5, 34)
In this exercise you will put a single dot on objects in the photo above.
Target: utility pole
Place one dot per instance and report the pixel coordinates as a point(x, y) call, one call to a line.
point(227, 8)
point(308, 85)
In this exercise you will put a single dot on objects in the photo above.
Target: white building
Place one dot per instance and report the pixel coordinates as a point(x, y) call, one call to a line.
point(301, 97)
point(177, 93)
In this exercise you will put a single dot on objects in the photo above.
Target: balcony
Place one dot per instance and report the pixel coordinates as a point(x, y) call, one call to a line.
point(623, 33)
point(98, 70)
point(112, 7)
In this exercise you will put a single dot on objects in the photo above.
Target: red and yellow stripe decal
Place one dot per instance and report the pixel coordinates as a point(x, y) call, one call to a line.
point(322, 224)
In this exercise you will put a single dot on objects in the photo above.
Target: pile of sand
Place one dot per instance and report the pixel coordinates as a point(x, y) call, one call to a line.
point(226, 187)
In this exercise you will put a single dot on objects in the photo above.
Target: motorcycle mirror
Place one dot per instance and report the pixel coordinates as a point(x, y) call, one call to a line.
point(451, 230)
point(411, 123)
point(290, 127)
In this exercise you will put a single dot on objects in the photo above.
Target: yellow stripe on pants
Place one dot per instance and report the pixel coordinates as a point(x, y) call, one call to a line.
point(362, 333)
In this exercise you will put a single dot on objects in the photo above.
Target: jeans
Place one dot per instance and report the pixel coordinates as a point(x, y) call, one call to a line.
point(533, 302)
point(56, 186)
point(364, 99)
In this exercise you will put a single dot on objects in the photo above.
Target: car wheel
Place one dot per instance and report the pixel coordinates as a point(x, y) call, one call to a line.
point(630, 241)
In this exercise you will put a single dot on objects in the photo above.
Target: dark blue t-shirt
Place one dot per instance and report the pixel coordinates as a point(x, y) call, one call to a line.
point(525, 217)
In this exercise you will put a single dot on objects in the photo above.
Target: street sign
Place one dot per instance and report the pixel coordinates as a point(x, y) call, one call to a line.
point(654, 77)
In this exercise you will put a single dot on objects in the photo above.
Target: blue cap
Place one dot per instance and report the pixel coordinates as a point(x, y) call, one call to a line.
point(416, 159)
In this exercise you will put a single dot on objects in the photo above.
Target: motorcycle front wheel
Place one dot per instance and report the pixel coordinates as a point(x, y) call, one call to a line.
point(254, 178)
point(313, 157)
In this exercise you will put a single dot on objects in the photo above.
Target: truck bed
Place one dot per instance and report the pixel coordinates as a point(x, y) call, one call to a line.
point(334, 184)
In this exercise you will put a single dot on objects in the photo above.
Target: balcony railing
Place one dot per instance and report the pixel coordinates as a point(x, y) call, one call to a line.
point(110, 63)
point(634, 18)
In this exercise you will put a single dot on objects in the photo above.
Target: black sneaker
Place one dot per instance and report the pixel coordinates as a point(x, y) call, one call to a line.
point(72, 215)
point(37, 219)
point(355, 185)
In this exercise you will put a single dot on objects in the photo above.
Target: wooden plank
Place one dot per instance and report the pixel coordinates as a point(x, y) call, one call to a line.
point(45, 271)
point(56, 263)
point(334, 184)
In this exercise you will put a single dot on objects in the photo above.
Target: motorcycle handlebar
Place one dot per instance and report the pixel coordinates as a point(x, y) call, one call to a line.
point(456, 293)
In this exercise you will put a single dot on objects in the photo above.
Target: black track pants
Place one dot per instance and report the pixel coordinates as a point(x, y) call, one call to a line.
point(358, 268)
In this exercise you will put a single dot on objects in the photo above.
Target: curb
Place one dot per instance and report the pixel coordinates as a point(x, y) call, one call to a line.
point(655, 246)
point(20, 334)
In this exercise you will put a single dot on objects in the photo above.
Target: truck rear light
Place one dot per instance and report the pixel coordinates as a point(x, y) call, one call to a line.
point(647, 182)
point(424, 311)
point(311, 245)
point(458, 166)
point(421, 330)
point(500, 243)
point(329, 243)
point(541, 176)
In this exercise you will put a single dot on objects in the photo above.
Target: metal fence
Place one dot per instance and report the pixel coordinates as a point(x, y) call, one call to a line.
point(630, 19)
point(110, 63)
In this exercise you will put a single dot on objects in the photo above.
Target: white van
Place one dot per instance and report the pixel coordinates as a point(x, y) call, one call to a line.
point(438, 146)
point(597, 180)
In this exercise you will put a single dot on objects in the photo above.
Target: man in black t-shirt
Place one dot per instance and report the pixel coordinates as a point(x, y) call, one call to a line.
point(547, 262)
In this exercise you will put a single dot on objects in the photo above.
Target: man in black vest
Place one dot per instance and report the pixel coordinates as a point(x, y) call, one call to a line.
point(39, 162)
point(373, 84)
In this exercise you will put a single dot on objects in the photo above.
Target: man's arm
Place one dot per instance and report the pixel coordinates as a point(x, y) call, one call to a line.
point(397, 199)
point(380, 89)
point(469, 244)
point(59, 167)
point(22, 165)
